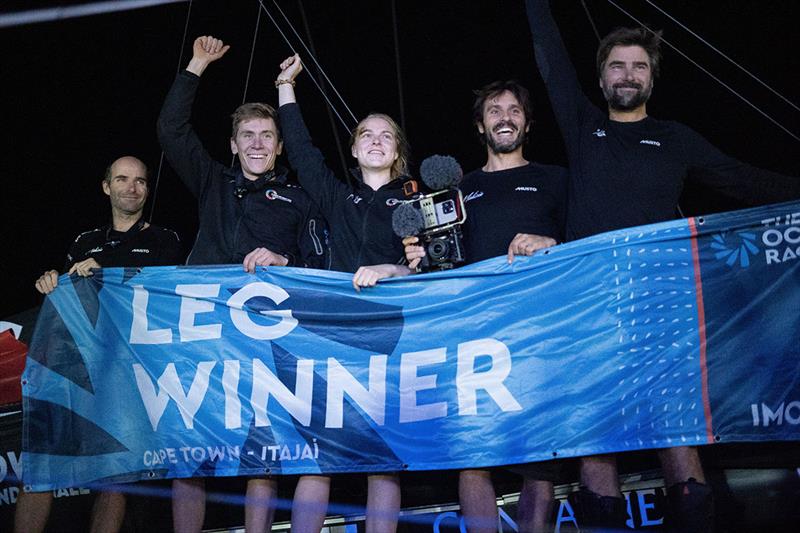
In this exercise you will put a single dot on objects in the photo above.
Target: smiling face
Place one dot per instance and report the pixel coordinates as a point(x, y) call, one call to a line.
point(504, 124)
point(626, 78)
point(375, 145)
point(258, 146)
point(126, 186)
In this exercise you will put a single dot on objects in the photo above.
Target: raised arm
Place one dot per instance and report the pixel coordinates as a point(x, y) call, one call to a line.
point(205, 50)
point(291, 67)
point(305, 158)
point(558, 73)
point(182, 147)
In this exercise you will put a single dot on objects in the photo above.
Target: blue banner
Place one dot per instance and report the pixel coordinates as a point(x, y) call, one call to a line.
point(680, 333)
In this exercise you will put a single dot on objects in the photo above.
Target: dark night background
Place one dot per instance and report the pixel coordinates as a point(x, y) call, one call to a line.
point(79, 93)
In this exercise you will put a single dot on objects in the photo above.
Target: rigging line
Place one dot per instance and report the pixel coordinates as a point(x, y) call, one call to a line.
point(289, 43)
point(51, 14)
point(712, 76)
point(252, 54)
point(314, 59)
point(397, 66)
point(249, 68)
point(720, 52)
point(334, 129)
point(177, 71)
point(591, 20)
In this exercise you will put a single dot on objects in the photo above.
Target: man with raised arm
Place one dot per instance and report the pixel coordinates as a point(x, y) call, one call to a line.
point(128, 241)
point(251, 213)
point(628, 169)
point(514, 207)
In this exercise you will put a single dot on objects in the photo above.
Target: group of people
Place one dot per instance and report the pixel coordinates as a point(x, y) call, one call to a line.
point(625, 169)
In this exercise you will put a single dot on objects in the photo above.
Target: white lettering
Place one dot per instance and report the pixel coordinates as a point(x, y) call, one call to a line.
point(191, 306)
point(372, 401)
point(769, 416)
point(14, 462)
point(792, 235)
point(772, 237)
point(297, 404)
point(468, 381)
point(230, 385)
point(139, 332)
point(772, 256)
point(411, 383)
point(793, 419)
point(245, 324)
point(169, 386)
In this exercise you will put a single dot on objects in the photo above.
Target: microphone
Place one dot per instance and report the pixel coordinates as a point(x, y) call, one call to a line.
point(440, 172)
point(407, 221)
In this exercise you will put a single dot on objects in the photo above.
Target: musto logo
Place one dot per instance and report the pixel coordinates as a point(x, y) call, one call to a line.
point(733, 247)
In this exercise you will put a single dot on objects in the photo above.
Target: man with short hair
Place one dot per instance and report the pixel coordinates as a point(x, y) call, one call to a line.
point(128, 241)
point(515, 207)
point(252, 213)
point(629, 169)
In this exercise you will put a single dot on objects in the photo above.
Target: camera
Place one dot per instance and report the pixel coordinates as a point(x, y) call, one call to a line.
point(436, 218)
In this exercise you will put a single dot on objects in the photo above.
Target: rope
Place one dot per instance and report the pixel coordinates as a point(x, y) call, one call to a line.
point(252, 54)
point(397, 66)
point(177, 71)
point(335, 131)
point(591, 20)
point(325, 96)
point(714, 48)
point(712, 76)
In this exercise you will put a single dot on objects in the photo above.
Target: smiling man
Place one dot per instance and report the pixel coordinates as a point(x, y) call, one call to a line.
point(127, 241)
point(252, 213)
point(514, 207)
point(629, 169)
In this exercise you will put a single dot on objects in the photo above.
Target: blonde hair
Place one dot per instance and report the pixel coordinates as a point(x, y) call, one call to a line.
point(400, 165)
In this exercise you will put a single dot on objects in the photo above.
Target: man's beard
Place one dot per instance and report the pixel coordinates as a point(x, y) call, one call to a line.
point(627, 101)
point(505, 147)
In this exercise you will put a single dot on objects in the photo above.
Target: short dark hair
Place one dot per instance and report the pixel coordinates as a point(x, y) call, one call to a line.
point(495, 89)
point(650, 41)
point(253, 110)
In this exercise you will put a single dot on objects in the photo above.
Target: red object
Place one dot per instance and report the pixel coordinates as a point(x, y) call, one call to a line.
point(12, 363)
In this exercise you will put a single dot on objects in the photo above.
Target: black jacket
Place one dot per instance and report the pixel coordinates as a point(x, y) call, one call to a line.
point(138, 247)
point(360, 218)
point(271, 212)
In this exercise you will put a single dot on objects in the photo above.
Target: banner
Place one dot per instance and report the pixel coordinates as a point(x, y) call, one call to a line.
point(680, 333)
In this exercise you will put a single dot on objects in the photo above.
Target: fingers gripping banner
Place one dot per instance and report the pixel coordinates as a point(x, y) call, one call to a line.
point(681, 333)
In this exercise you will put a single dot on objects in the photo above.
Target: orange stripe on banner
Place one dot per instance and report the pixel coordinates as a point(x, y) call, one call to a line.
point(701, 319)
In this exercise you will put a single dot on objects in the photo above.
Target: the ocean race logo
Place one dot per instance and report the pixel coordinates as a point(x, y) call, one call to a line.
point(735, 247)
point(781, 238)
point(778, 237)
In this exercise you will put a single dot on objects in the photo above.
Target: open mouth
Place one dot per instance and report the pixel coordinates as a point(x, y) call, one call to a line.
point(505, 128)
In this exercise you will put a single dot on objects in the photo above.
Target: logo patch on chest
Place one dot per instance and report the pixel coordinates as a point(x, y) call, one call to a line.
point(650, 142)
point(474, 195)
point(272, 194)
